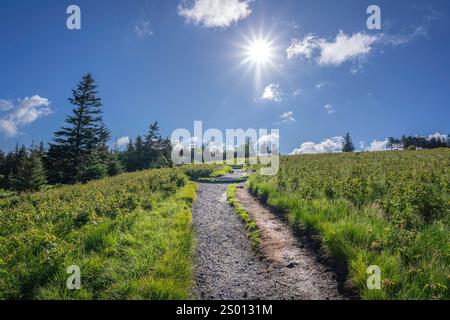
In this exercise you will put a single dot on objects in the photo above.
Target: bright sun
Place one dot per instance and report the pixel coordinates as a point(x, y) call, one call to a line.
point(259, 52)
point(259, 55)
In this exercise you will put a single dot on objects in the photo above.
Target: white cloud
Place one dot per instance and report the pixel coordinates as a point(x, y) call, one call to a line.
point(335, 52)
point(330, 109)
point(6, 105)
point(272, 93)
point(415, 31)
point(331, 145)
point(8, 128)
point(438, 136)
point(214, 13)
point(288, 117)
point(321, 85)
point(355, 47)
point(378, 146)
point(24, 113)
point(143, 29)
point(272, 138)
point(303, 48)
point(123, 142)
point(345, 48)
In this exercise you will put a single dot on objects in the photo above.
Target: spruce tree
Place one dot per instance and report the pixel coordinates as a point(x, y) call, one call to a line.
point(3, 172)
point(128, 157)
point(30, 175)
point(348, 144)
point(81, 145)
point(115, 166)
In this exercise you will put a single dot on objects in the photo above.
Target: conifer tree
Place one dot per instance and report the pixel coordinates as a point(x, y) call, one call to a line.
point(30, 175)
point(81, 145)
point(348, 144)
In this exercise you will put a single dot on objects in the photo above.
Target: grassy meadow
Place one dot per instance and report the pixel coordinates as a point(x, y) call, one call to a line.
point(389, 209)
point(130, 235)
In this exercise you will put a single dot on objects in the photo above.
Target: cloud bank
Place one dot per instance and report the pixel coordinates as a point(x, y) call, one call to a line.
point(331, 145)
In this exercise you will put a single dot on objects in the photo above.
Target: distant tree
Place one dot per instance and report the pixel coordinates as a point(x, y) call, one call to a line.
point(3, 172)
point(127, 157)
point(153, 147)
point(139, 154)
point(12, 162)
point(348, 144)
point(115, 165)
point(93, 169)
point(30, 175)
point(81, 145)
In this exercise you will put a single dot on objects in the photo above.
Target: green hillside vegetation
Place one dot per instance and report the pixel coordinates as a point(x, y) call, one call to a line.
point(389, 209)
point(130, 235)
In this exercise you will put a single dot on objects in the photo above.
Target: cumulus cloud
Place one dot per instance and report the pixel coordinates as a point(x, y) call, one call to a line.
point(143, 29)
point(378, 146)
point(345, 48)
point(123, 142)
point(303, 48)
point(268, 142)
point(272, 93)
point(288, 117)
point(214, 13)
point(331, 52)
point(331, 145)
point(6, 105)
point(439, 136)
point(25, 112)
point(330, 109)
point(355, 47)
point(268, 139)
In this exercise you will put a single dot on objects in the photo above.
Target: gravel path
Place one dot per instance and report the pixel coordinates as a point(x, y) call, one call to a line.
point(228, 268)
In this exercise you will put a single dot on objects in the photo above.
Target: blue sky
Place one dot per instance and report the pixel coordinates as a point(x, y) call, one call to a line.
point(323, 72)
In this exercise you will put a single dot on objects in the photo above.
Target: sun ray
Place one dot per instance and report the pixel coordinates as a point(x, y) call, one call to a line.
point(258, 54)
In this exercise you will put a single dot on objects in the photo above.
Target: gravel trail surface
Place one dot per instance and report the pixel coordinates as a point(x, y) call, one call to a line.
point(227, 267)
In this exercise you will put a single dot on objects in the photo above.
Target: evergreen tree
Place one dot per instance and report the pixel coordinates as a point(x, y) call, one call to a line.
point(128, 157)
point(81, 145)
point(152, 145)
point(30, 175)
point(3, 172)
point(348, 144)
point(93, 169)
point(139, 154)
point(115, 166)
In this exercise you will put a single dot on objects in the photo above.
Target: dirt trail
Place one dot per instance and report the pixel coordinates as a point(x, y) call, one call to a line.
point(228, 268)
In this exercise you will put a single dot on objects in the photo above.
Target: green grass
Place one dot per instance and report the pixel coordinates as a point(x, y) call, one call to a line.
point(389, 209)
point(250, 224)
point(198, 172)
point(130, 235)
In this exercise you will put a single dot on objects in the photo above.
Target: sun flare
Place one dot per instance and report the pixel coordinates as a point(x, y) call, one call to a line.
point(259, 52)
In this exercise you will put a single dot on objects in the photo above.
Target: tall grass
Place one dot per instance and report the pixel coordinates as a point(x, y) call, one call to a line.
point(387, 209)
point(130, 235)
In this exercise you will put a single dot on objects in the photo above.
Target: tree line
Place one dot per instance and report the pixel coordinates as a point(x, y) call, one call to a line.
point(418, 142)
point(79, 151)
point(404, 143)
